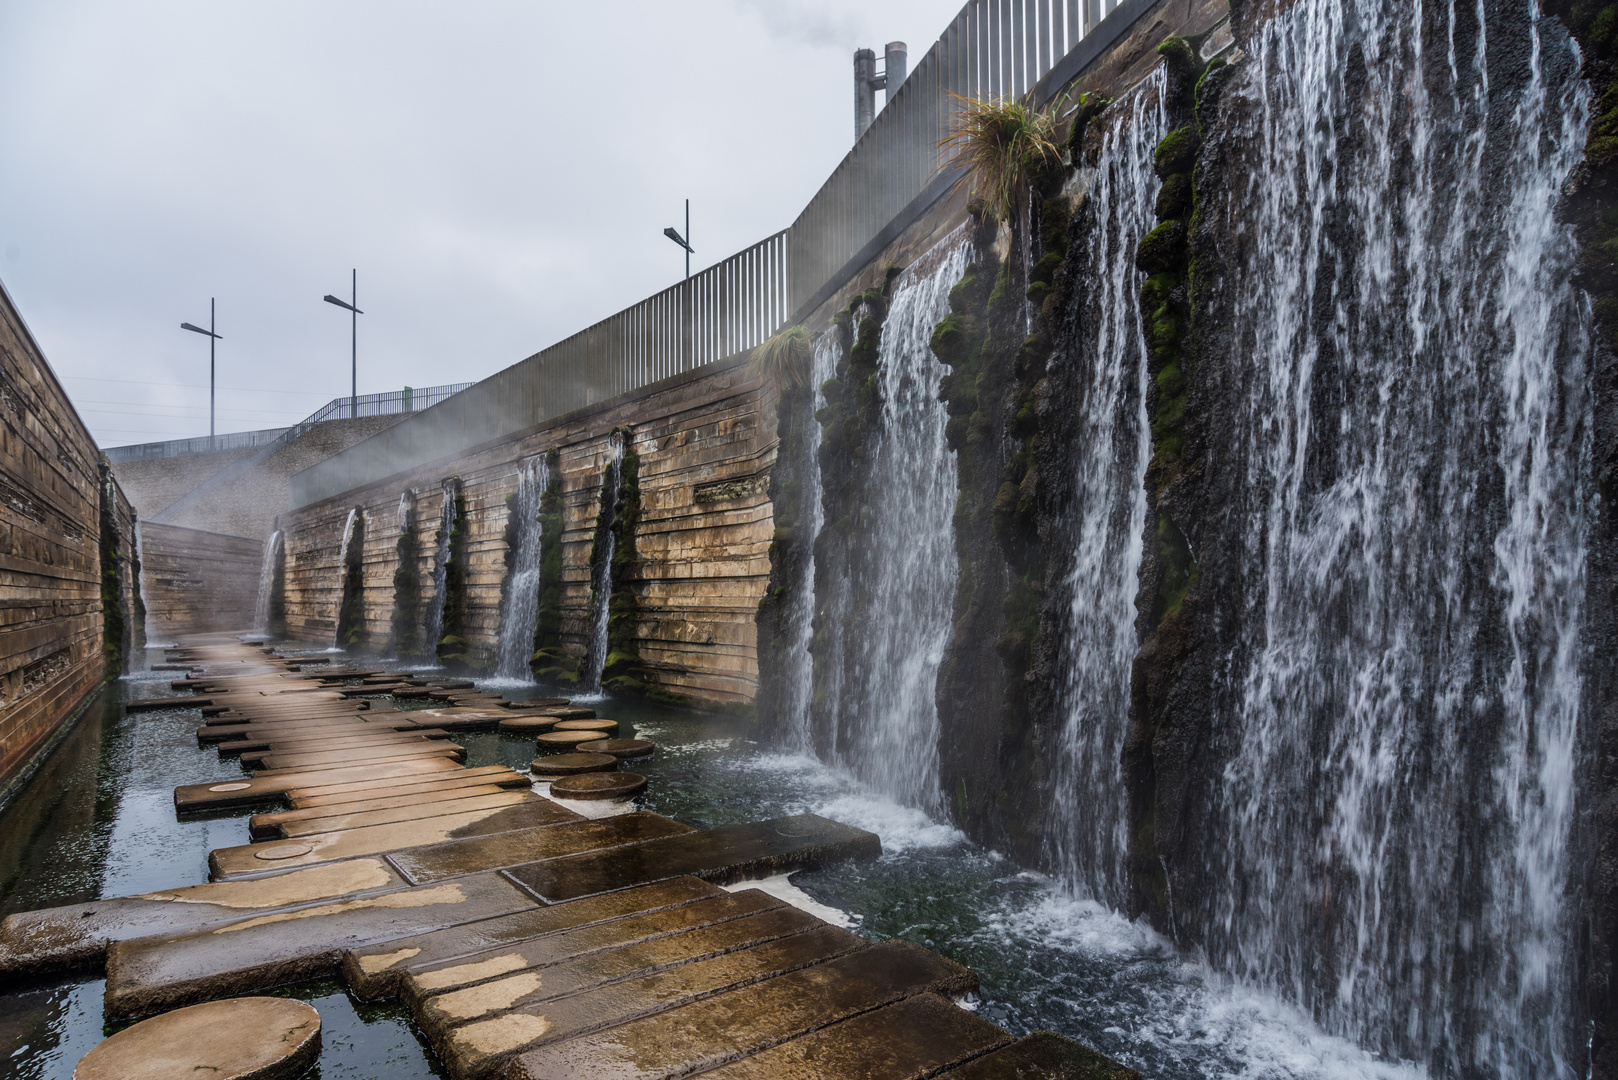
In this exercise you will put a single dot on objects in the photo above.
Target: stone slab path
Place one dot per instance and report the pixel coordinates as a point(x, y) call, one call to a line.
point(526, 939)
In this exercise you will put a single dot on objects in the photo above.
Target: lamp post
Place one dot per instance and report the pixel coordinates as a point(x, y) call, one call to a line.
point(212, 337)
point(684, 241)
point(353, 342)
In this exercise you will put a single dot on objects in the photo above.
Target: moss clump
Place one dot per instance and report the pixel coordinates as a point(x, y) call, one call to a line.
point(451, 647)
point(404, 638)
point(550, 661)
point(113, 624)
point(1090, 105)
point(351, 582)
point(1176, 153)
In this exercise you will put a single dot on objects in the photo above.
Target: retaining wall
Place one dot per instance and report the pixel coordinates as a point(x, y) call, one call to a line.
point(195, 581)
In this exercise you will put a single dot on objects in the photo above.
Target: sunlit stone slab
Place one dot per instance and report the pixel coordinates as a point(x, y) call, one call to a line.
point(907, 1040)
point(252, 789)
point(365, 818)
point(495, 1025)
point(424, 864)
point(268, 826)
point(727, 854)
point(736, 1023)
point(375, 971)
point(225, 863)
point(78, 934)
point(359, 755)
point(149, 974)
point(331, 794)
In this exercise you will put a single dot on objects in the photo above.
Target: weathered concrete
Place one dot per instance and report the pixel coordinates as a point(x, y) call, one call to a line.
point(730, 1025)
point(149, 974)
point(907, 1040)
point(269, 826)
point(495, 1021)
point(244, 792)
point(1044, 1055)
point(427, 808)
point(336, 794)
point(724, 855)
point(252, 1038)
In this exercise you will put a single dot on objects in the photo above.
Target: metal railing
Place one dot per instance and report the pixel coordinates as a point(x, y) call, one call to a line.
point(410, 399)
point(993, 48)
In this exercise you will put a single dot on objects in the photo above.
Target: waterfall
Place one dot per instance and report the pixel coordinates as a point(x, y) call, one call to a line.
point(435, 613)
point(595, 658)
point(1399, 702)
point(798, 677)
point(1100, 358)
point(266, 582)
point(885, 616)
point(342, 578)
point(522, 591)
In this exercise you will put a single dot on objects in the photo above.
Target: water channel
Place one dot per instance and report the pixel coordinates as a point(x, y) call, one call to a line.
point(98, 821)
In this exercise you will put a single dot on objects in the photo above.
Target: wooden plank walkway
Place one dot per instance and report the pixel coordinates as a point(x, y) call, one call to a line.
point(528, 940)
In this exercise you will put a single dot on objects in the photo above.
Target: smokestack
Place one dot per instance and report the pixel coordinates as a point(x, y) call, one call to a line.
point(894, 67)
point(864, 90)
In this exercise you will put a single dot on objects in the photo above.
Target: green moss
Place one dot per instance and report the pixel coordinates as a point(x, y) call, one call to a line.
point(405, 628)
point(1183, 68)
point(1164, 250)
point(1090, 106)
point(1176, 153)
point(451, 645)
point(1179, 570)
point(1174, 198)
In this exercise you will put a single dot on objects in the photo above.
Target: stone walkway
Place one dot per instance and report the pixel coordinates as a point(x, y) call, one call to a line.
point(527, 939)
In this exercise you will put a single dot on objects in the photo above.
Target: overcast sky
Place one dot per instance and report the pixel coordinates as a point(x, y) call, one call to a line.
point(500, 174)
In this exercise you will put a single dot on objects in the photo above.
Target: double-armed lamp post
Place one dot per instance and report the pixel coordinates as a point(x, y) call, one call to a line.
point(684, 241)
point(354, 341)
point(212, 337)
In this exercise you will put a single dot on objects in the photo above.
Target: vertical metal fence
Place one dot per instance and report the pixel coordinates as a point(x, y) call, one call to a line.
point(993, 48)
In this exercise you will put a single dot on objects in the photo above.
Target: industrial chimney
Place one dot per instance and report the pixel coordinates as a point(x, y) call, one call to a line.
point(867, 82)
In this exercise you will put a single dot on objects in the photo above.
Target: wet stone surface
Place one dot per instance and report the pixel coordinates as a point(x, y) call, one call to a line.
point(245, 1038)
point(596, 785)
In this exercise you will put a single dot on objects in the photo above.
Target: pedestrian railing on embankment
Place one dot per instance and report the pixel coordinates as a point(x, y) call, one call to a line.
point(993, 48)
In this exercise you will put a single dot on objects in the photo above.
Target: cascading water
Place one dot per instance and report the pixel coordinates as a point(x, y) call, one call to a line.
point(798, 677)
point(266, 582)
point(522, 590)
point(1099, 535)
point(434, 629)
point(342, 579)
point(1388, 843)
point(885, 620)
point(595, 657)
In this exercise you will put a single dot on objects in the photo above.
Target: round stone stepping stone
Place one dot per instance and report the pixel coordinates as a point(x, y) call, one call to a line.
point(245, 1038)
point(573, 764)
point(540, 703)
point(619, 748)
point(556, 740)
point(598, 724)
point(599, 785)
point(566, 712)
point(523, 725)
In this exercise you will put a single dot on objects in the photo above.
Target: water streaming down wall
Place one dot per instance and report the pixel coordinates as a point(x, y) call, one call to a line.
point(434, 628)
point(342, 579)
point(798, 678)
point(266, 582)
point(884, 616)
point(1099, 361)
point(522, 590)
point(1402, 573)
point(595, 657)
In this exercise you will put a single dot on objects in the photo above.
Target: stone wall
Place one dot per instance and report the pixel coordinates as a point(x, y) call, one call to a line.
point(706, 442)
point(194, 581)
point(51, 573)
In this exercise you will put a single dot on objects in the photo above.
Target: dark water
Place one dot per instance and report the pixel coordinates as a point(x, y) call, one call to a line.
point(98, 821)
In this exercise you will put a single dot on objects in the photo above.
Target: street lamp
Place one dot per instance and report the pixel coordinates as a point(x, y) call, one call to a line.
point(684, 241)
point(353, 343)
point(212, 337)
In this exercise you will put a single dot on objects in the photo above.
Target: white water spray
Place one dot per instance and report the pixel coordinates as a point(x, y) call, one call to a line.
point(273, 548)
point(595, 659)
point(522, 589)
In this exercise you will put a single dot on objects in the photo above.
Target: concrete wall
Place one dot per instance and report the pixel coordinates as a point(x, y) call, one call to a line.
point(704, 561)
point(51, 655)
point(193, 580)
point(236, 492)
